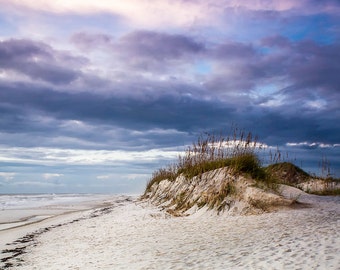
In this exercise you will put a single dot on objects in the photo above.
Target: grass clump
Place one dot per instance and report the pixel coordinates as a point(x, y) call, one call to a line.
point(327, 192)
point(248, 163)
point(287, 173)
point(191, 170)
point(210, 152)
point(169, 172)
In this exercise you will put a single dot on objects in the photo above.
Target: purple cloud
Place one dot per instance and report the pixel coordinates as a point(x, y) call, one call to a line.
point(233, 51)
point(39, 61)
point(147, 49)
point(159, 45)
point(276, 41)
point(87, 41)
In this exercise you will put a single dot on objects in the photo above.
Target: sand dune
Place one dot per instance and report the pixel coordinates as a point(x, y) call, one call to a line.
point(135, 235)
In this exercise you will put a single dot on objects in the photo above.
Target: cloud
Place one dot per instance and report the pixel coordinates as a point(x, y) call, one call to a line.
point(53, 156)
point(177, 12)
point(103, 177)
point(137, 12)
point(39, 61)
point(143, 50)
point(155, 111)
point(87, 41)
point(49, 176)
point(230, 51)
point(157, 45)
point(79, 115)
point(27, 184)
point(303, 72)
point(312, 145)
point(7, 175)
point(235, 89)
point(239, 70)
point(276, 41)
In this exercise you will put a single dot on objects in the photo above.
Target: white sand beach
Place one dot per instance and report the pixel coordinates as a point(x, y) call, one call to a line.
point(134, 235)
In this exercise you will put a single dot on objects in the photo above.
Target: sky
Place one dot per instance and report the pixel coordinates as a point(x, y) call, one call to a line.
point(96, 95)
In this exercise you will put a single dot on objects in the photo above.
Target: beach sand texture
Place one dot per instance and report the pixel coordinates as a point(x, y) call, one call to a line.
point(135, 235)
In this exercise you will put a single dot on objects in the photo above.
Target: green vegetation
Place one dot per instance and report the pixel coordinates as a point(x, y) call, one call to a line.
point(287, 173)
point(210, 152)
point(170, 173)
point(327, 192)
point(259, 204)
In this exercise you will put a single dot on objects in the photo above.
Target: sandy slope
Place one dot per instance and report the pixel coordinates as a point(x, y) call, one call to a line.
point(136, 236)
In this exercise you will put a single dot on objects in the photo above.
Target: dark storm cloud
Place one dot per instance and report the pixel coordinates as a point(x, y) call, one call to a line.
point(39, 61)
point(311, 70)
point(317, 65)
point(183, 114)
point(277, 128)
point(307, 71)
point(164, 111)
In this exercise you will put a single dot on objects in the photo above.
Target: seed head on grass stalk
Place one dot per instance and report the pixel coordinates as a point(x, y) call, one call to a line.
point(211, 152)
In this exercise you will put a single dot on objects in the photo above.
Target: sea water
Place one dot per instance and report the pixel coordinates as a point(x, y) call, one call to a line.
point(28, 201)
point(21, 209)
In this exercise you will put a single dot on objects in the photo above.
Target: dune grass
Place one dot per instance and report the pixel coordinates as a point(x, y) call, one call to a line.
point(210, 152)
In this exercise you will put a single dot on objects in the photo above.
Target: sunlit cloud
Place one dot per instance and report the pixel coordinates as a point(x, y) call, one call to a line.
point(139, 12)
point(313, 145)
point(176, 13)
point(35, 184)
point(7, 175)
point(316, 104)
point(54, 156)
point(49, 176)
point(140, 7)
point(103, 177)
point(122, 177)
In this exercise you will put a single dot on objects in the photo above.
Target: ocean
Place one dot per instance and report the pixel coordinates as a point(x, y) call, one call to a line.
point(22, 209)
point(28, 201)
